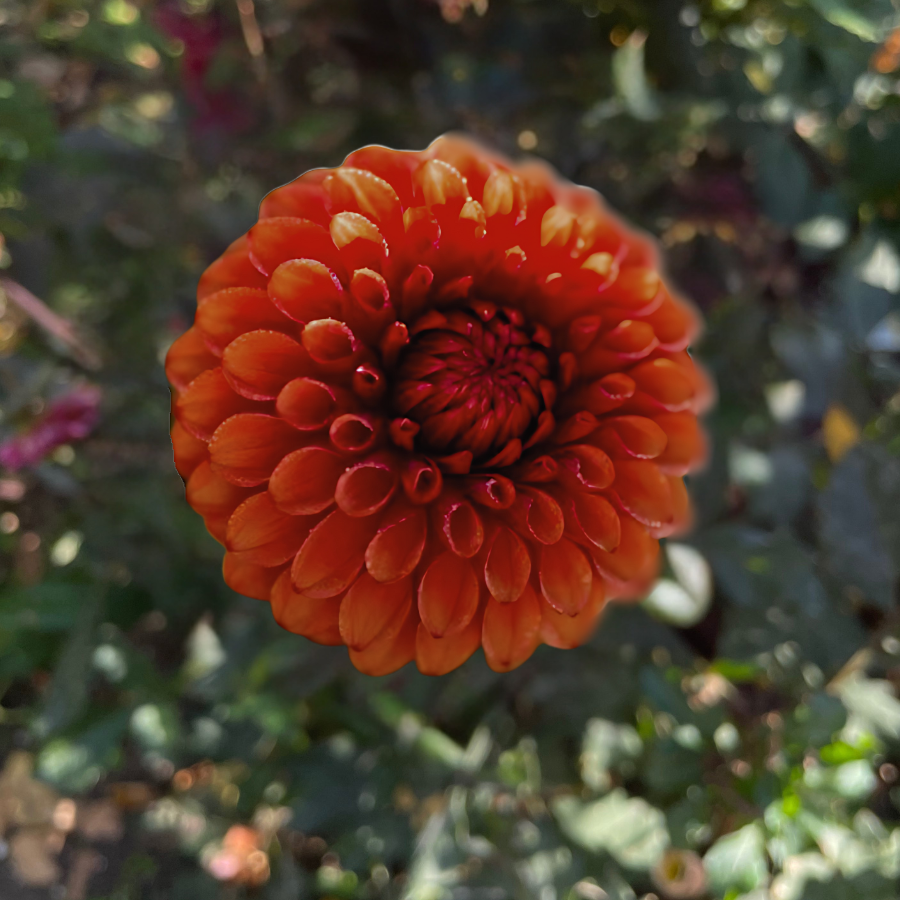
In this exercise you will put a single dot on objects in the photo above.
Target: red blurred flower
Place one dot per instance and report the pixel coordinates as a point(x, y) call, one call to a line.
point(71, 417)
point(434, 401)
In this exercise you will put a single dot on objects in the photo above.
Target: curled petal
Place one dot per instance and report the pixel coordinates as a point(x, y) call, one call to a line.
point(631, 567)
point(366, 487)
point(396, 549)
point(373, 611)
point(492, 491)
point(644, 492)
point(635, 436)
point(508, 566)
point(438, 656)
point(537, 515)
point(260, 533)
point(440, 184)
point(511, 631)
point(301, 198)
point(188, 357)
point(214, 498)
point(247, 447)
point(276, 240)
point(207, 402)
point(308, 404)
point(460, 526)
point(332, 555)
point(359, 241)
point(352, 433)
point(666, 382)
point(686, 447)
point(231, 312)
point(585, 467)
point(260, 363)
point(565, 576)
point(422, 480)
point(318, 620)
point(386, 655)
point(233, 268)
point(247, 578)
point(305, 290)
point(331, 344)
point(361, 191)
point(448, 595)
point(304, 482)
point(592, 517)
point(566, 632)
point(189, 451)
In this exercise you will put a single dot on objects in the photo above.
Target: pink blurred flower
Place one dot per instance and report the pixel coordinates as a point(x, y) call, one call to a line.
point(70, 417)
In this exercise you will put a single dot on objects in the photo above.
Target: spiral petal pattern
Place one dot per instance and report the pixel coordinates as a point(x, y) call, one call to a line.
point(438, 401)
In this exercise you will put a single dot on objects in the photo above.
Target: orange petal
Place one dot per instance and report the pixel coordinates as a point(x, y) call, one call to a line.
point(249, 579)
point(187, 358)
point(232, 269)
point(373, 611)
point(396, 549)
point(440, 184)
point(674, 323)
point(566, 632)
point(207, 402)
point(384, 656)
point(331, 343)
point(189, 451)
point(686, 447)
point(214, 497)
point(594, 518)
point(247, 447)
point(635, 436)
point(229, 313)
point(304, 482)
point(332, 555)
point(354, 433)
point(438, 656)
point(511, 631)
point(630, 569)
point(537, 515)
point(508, 566)
point(301, 198)
point(264, 535)
point(448, 595)
point(644, 491)
point(366, 487)
point(682, 517)
point(565, 576)
point(584, 467)
point(260, 363)
point(666, 382)
point(305, 289)
point(394, 166)
point(459, 526)
point(275, 241)
point(361, 191)
point(359, 240)
point(317, 620)
point(308, 404)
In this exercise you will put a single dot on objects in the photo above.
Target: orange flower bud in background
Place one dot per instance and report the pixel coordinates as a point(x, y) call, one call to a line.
point(434, 401)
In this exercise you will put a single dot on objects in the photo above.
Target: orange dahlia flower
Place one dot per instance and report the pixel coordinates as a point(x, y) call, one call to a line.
point(434, 401)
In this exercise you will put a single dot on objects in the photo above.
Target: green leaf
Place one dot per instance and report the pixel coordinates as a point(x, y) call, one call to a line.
point(873, 701)
point(844, 16)
point(737, 861)
point(632, 831)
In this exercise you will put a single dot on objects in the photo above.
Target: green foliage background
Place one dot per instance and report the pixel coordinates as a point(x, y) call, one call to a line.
point(752, 754)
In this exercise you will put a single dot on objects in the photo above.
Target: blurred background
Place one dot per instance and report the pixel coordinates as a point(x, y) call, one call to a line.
point(737, 735)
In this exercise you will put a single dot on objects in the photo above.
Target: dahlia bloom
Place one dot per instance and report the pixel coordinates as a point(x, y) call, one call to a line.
point(434, 401)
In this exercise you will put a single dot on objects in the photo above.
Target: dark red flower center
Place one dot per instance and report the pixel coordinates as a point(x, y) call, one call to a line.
point(474, 379)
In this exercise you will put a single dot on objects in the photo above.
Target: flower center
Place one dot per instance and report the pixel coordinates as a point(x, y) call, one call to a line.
point(472, 379)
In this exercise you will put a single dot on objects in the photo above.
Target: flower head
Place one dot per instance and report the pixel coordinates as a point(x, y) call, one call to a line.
point(435, 401)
